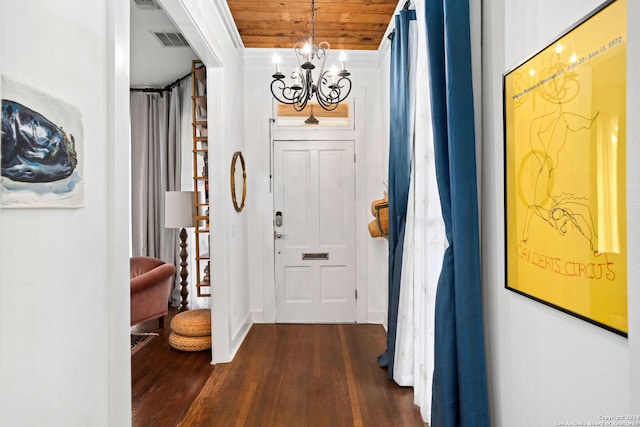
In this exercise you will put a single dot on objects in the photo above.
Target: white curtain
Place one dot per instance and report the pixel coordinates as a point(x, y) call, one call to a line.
point(403, 366)
point(424, 243)
point(145, 182)
point(156, 154)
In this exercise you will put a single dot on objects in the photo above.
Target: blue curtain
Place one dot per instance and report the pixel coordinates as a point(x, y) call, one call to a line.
point(399, 173)
point(459, 378)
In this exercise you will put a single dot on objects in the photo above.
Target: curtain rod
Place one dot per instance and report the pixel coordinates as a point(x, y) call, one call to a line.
point(406, 6)
point(167, 88)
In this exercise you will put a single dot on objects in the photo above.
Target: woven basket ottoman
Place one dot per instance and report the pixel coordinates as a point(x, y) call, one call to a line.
point(191, 330)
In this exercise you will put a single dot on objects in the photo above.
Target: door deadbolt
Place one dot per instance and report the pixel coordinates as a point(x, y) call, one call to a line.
point(278, 219)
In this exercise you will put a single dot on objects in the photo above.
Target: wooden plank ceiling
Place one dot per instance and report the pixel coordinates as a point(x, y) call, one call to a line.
point(345, 24)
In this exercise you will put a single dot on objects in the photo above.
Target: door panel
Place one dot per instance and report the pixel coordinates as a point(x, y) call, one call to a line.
point(315, 245)
point(296, 284)
point(332, 224)
point(298, 194)
point(331, 278)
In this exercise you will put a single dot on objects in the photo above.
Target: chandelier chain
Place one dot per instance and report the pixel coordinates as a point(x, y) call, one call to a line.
point(313, 22)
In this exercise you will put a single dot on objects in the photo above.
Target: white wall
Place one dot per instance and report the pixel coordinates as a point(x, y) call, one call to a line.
point(205, 27)
point(371, 269)
point(64, 356)
point(380, 259)
point(545, 366)
point(377, 141)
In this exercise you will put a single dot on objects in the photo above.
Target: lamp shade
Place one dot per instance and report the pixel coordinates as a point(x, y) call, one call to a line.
point(178, 209)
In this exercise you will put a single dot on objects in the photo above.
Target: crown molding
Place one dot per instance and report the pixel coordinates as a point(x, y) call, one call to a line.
point(229, 23)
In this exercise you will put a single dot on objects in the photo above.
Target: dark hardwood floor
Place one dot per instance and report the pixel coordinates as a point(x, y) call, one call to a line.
point(164, 381)
point(283, 375)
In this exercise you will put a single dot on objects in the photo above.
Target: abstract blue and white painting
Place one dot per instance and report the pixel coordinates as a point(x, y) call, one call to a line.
point(41, 149)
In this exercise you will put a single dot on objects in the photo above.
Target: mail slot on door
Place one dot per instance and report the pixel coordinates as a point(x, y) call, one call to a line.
point(318, 256)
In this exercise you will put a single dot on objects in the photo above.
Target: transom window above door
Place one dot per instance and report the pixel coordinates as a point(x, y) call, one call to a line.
point(314, 115)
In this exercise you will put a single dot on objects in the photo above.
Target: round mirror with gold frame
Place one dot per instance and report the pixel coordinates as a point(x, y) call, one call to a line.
point(235, 183)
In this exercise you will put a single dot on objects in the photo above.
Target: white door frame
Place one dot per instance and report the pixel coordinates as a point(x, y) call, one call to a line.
point(118, 170)
point(180, 12)
point(118, 39)
point(362, 214)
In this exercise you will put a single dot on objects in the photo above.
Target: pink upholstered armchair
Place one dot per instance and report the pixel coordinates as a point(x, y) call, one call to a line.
point(151, 283)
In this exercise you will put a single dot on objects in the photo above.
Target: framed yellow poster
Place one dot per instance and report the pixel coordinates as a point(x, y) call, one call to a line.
point(565, 171)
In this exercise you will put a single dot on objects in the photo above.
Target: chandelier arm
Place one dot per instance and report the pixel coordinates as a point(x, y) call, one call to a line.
point(327, 106)
point(337, 92)
point(322, 50)
point(326, 103)
point(303, 96)
point(324, 99)
point(300, 105)
point(342, 85)
point(287, 95)
point(297, 49)
point(306, 93)
point(296, 97)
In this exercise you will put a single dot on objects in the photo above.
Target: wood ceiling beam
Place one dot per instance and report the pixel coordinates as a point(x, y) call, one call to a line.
point(287, 17)
point(259, 7)
point(345, 47)
point(393, 3)
point(292, 40)
point(304, 28)
point(286, 43)
point(345, 24)
point(292, 35)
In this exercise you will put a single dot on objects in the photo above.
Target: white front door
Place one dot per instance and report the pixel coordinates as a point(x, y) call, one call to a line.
point(314, 231)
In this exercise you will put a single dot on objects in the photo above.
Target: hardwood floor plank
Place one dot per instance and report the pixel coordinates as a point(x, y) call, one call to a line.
point(165, 381)
point(244, 410)
point(283, 375)
point(351, 387)
point(305, 375)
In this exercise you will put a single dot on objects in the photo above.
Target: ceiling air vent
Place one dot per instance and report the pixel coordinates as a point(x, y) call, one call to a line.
point(146, 4)
point(171, 38)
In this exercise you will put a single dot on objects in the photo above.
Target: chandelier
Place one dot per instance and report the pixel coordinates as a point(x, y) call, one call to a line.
point(330, 89)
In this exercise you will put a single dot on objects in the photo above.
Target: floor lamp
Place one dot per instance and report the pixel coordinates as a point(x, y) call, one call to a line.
point(179, 213)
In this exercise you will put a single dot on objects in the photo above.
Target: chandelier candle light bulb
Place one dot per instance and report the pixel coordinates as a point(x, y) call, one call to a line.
point(276, 60)
point(297, 79)
point(334, 75)
point(307, 55)
point(343, 60)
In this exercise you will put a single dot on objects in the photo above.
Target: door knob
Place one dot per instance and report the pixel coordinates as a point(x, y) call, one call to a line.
point(277, 235)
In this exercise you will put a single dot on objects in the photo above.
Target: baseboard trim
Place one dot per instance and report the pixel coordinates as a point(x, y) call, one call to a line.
point(257, 316)
point(373, 317)
point(377, 318)
point(240, 335)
